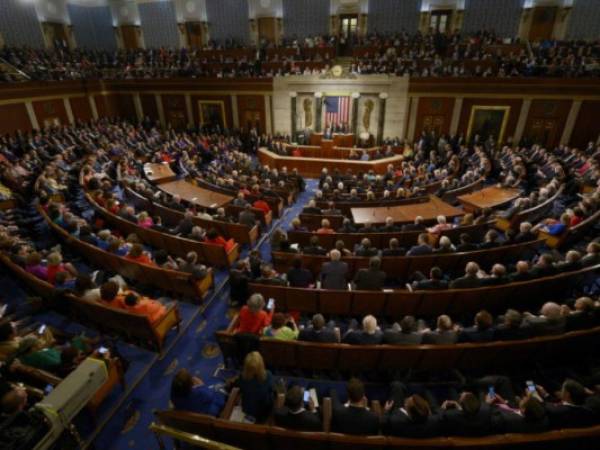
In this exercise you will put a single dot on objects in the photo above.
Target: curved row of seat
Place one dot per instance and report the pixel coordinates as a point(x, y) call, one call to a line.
point(395, 304)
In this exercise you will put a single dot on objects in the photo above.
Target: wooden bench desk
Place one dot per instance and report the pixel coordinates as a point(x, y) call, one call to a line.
point(159, 173)
point(195, 194)
point(429, 210)
point(489, 197)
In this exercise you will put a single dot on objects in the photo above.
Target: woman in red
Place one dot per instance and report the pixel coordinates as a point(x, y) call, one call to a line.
point(137, 254)
point(253, 318)
point(262, 205)
point(212, 237)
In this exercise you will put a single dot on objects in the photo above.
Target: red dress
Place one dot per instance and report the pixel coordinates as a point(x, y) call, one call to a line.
point(250, 322)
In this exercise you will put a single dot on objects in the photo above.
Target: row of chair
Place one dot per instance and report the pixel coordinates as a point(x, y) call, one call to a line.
point(572, 234)
point(169, 280)
point(211, 254)
point(398, 303)
point(532, 214)
point(401, 267)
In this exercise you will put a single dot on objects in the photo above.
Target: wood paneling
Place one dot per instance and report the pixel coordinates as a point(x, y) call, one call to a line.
point(174, 110)
point(587, 125)
point(251, 112)
point(81, 108)
point(542, 22)
point(149, 107)
point(14, 117)
point(130, 35)
point(513, 117)
point(434, 113)
point(546, 121)
point(193, 31)
point(126, 107)
point(226, 99)
point(267, 29)
point(107, 105)
point(48, 112)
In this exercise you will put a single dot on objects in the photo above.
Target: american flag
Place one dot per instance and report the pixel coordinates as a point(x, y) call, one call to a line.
point(337, 110)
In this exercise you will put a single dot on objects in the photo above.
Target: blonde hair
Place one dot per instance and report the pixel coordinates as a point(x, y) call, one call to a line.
point(254, 367)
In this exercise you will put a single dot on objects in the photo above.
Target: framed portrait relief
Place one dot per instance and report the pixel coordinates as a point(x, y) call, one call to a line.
point(486, 121)
point(212, 113)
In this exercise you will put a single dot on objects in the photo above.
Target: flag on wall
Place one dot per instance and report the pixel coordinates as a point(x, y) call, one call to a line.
point(337, 110)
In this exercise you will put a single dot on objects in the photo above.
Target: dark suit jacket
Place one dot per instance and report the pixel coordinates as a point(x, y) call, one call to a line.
point(334, 275)
point(524, 237)
point(465, 282)
point(363, 251)
point(184, 227)
point(323, 335)
point(397, 423)
point(413, 227)
point(247, 218)
point(299, 277)
point(369, 280)
point(515, 423)
point(393, 252)
point(311, 210)
point(502, 333)
point(302, 421)
point(440, 338)
point(353, 420)
point(468, 247)
point(359, 337)
point(430, 284)
point(474, 334)
point(420, 250)
point(569, 416)
point(542, 326)
point(457, 423)
point(400, 338)
point(546, 271)
point(310, 250)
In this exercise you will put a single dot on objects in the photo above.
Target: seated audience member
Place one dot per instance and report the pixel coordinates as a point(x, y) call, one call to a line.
point(465, 244)
point(497, 276)
point(239, 276)
point(445, 333)
point(403, 333)
point(444, 245)
point(297, 414)
point(529, 417)
point(297, 225)
point(512, 328)
point(240, 201)
point(440, 226)
point(268, 275)
point(371, 279)
point(253, 318)
point(152, 309)
point(314, 248)
point(470, 279)
point(325, 228)
point(334, 274)
point(572, 262)
point(34, 266)
point(389, 226)
point(55, 266)
point(298, 276)
point(409, 416)
point(467, 417)
point(110, 295)
point(189, 393)
point(261, 204)
point(550, 321)
point(190, 265)
point(365, 248)
point(434, 282)
point(247, 217)
point(213, 237)
point(185, 225)
point(341, 247)
point(394, 249)
point(256, 388)
point(331, 210)
point(583, 316)
point(481, 331)
point(318, 331)
point(354, 417)
point(417, 225)
point(311, 208)
point(137, 254)
point(525, 234)
point(592, 256)
point(276, 238)
point(483, 217)
point(282, 327)
point(521, 273)
point(490, 240)
point(568, 410)
point(369, 335)
point(144, 220)
point(347, 227)
point(422, 247)
point(556, 227)
point(544, 267)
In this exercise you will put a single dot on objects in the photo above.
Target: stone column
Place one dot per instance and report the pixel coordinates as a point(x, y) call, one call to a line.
point(32, 117)
point(318, 110)
point(189, 110)
point(68, 109)
point(137, 103)
point(412, 119)
point(570, 122)
point(159, 108)
point(354, 129)
point(522, 121)
point(268, 120)
point(458, 102)
point(293, 97)
point(93, 107)
point(382, 102)
point(234, 111)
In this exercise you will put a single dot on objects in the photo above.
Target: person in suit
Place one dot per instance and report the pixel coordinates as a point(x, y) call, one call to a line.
point(319, 331)
point(465, 244)
point(569, 409)
point(296, 414)
point(314, 248)
point(185, 225)
point(189, 393)
point(369, 335)
point(311, 208)
point(525, 234)
point(544, 267)
point(445, 333)
point(521, 272)
point(298, 276)
point(470, 279)
point(354, 417)
point(497, 276)
point(240, 200)
point(239, 276)
point(269, 276)
point(403, 333)
point(468, 417)
point(334, 274)
point(365, 248)
point(417, 225)
point(572, 262)
point(481, 331)
point(529, 417)
point(409, 416)
point(347, 227)
point(435, 281)
point(176, 204)
point(394, 249)
point(444, 245)
point(512, 327)
point(551, 321)
point(247, 217)
point(422, 247)
point(331, 210)
point(371, 279)
point(490, 240)
point(592, 256)
point(256, 387)
point(389, 226)
point(582, 317)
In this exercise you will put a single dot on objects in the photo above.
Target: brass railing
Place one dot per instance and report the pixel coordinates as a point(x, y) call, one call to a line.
point(195, 440)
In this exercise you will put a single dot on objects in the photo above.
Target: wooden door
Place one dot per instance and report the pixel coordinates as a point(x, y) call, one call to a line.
point(130, 37)
point(252, 120)
point(441, 20)
point(433, 123)
point(542, 22)
point(193, 31)
point(545, 132)
point(266, 29)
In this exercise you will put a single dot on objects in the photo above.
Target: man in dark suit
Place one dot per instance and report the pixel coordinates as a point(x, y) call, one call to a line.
point(128, 213)
point(354, 418)
point(512, 328)
point(394, 249)
point(481, 331)
point(497, 276)
point(417, 225)
point(468, 417)
point(550, 322)
point(331, 210)
point(314, 248)
point(422, 247)
point(409, 416)
point(176, 204)
point(465, 244)
point(389, 226)
point(334, 274)
point(445, 333)
point(369, 335)
point(469, 280)
point(592, 256)
point(572, 262)
point(365, 248)
point(371, 279)
point(347, 227)
point(435, 281)
point(524, 234)
point(521, 273)
point(298, 276)
point(404, 333)
point(296, 414)
point(318, 331)
point(569, 411)
point(185, 225)
point(311, 208)
point(247, 217)
point(544, 266)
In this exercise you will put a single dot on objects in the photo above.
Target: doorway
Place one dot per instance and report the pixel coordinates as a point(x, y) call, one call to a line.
point(348, 32)
point(542, 23)
point(194, 34)
point(440, 20)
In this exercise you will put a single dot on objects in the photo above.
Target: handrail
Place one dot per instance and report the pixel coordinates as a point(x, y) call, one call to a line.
point(189, 438)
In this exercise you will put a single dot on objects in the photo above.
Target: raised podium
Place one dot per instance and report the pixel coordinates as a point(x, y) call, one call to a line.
point(338, 140)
